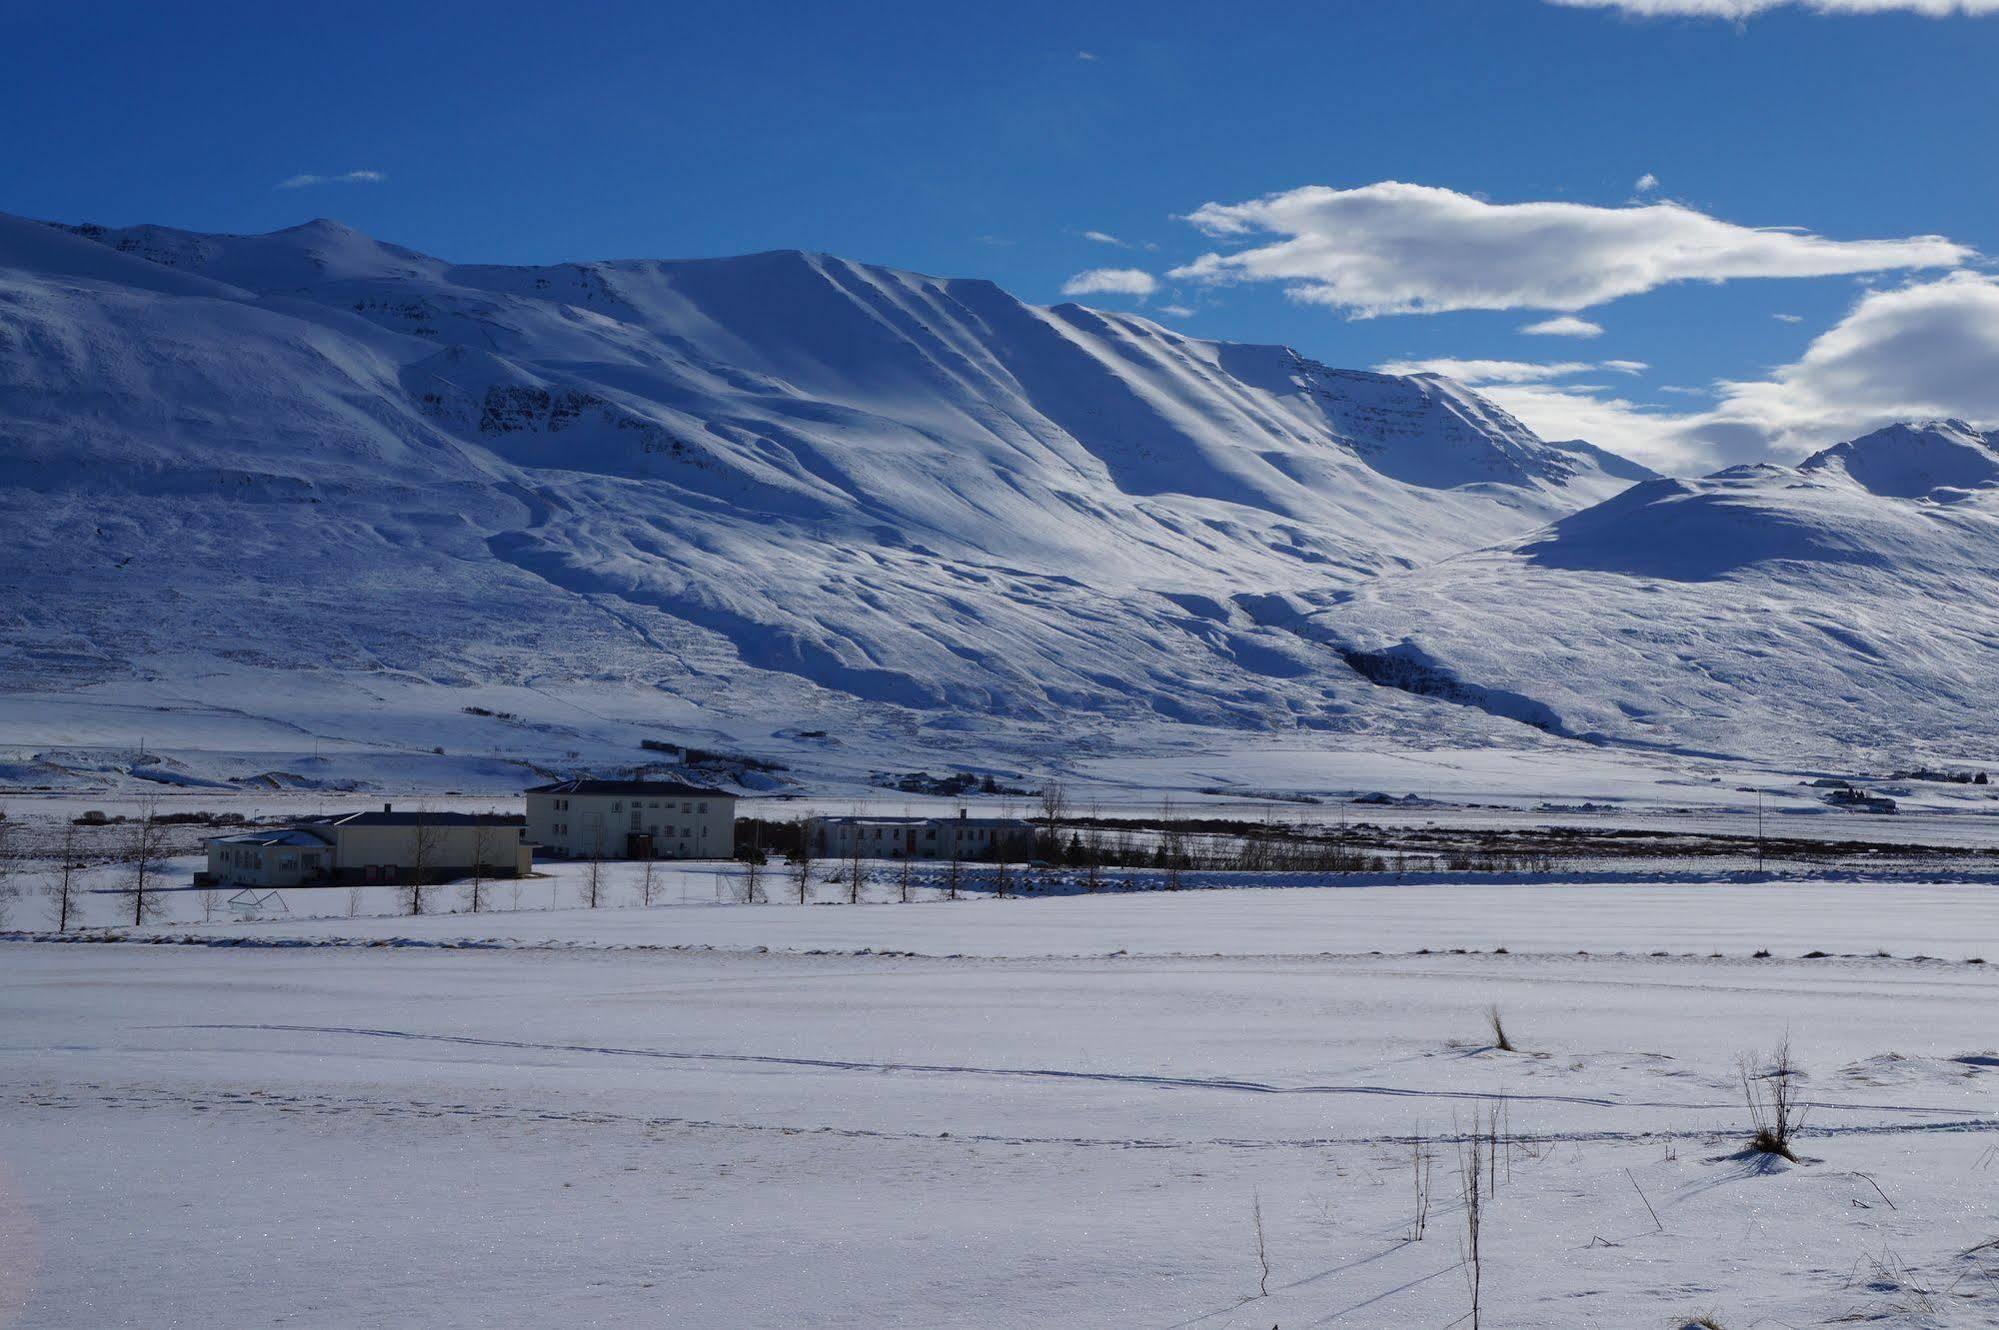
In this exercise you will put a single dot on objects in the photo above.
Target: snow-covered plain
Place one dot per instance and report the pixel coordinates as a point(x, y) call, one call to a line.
point(1052, 1111)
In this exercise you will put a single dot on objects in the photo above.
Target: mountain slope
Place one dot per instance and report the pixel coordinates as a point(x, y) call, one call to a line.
point(780, 486)
point(1847, 606)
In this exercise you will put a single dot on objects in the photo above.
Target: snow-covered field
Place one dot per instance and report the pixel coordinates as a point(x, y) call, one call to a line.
point(1061, 1111)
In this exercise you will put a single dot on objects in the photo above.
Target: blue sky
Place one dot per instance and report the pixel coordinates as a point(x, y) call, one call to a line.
point(991, 140)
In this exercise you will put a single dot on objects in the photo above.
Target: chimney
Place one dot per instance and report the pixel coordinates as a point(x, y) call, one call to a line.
point(961, 815)
point(388, 808)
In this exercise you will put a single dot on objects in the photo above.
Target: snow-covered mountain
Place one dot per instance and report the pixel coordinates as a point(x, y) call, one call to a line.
point(1848, 605)
point(241, 473)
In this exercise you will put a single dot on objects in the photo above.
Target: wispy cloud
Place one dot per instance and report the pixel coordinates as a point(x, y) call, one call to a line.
point(1177, 311)
point(1395, 248)
point(1788, 318)
point(1111, 281)
point(1479, 372)
point(1475, 372)
point(1742, 9)
point(1566, 325)
point(1925, 350)
point(1086, 55)
point(1647, 183)
point(305, 178)
point(1105, 238)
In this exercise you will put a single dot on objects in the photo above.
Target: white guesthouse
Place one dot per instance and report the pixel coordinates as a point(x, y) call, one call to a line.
point(632, 819)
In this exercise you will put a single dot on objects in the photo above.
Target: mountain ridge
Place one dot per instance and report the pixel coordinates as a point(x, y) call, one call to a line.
point(780, 486)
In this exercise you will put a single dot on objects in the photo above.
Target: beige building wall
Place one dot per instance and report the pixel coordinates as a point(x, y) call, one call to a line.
point(449, 848)
point(696, 826)
point(267, 865)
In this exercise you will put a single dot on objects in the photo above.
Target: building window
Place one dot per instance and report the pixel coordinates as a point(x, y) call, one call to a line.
point(704, 808)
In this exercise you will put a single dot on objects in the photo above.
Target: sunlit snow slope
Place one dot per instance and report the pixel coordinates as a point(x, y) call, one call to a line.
point(1848, 605)
point(769, 486)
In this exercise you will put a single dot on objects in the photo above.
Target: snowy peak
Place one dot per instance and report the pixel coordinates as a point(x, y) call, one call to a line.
point(1911, 460)
point(777, 480)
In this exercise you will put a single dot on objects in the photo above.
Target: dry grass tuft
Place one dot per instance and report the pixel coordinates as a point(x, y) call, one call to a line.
point(1500, 1040)
point(1774, 1112)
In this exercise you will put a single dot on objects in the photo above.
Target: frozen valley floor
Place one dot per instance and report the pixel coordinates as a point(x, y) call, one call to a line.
point(1034, 1131)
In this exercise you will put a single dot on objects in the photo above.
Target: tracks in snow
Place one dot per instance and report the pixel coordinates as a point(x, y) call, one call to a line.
point(1220, 1084)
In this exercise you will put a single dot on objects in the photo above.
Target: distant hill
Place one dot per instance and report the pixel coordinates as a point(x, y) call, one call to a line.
point(1849, 605)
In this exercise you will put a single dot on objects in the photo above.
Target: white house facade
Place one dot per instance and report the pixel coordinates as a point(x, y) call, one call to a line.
point(632, 819)
point(960, 837)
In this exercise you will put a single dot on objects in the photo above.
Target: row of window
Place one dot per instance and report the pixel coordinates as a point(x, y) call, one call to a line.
point(618, 806)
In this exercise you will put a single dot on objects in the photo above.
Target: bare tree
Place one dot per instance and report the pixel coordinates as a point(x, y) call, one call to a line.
point(754, 860)
point(855, 874)
point(593, 875)
point(954, 870)
point(1419, 1169)
point(902, 878)
point(482, 851)
point(145, 840)
point(1093, 851)
point(648, 880)
point(12, 851)
point(1471, 1179)
point(1054, 811)
point(426, 844)
point(801, 860)
point(65, 893)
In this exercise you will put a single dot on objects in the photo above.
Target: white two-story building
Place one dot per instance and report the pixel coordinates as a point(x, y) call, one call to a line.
point(632, 819)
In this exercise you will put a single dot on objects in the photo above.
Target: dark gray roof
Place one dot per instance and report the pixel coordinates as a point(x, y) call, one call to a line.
point(661, 789)
point(284, 836)
point(379, 819)
point(945, 820)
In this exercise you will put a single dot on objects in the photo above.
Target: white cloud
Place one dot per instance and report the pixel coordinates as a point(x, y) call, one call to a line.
point(1086, 55)
point(1627, 366)
point(1923, 350)
point(1741, 9)
point(1788, 318)
point(1105, 238)
point(1478, 372)
point(1177, 311)
point(1920, 351)
point(1565, 325)
point(1647, 183)
point(1111, 281)
point(305, 178)
point(1394, 248)
point(1630, 429)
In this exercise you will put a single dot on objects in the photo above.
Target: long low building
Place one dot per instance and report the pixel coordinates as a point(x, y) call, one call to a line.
point(961, 837)
point(374, 847)
point(632, 819)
